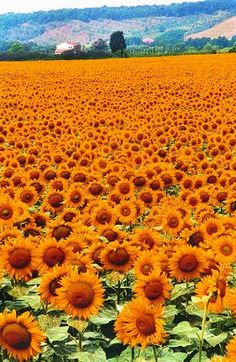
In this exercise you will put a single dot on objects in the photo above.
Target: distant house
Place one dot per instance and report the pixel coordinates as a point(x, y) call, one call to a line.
point(148, 41)
point(67, 47)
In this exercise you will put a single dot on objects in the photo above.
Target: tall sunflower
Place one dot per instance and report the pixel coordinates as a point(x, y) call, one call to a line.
point(19, 258)
point(80, 295)
point(153, 288)
point(146, 263)
point(20, 335)
point(187, 263)
point(118, 256)
point(50, 253)
point(139, 323)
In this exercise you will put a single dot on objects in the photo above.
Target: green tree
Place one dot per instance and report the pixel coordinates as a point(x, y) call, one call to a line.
point(117, 42)
point(16, 47)
point(100, 45)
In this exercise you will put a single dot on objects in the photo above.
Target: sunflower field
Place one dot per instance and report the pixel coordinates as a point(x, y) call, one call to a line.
point(118, 210)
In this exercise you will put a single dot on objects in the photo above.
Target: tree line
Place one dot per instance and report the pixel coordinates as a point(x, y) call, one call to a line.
point(171, 42)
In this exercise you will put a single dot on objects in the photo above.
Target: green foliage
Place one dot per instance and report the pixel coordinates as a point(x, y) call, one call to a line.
point(117, 42)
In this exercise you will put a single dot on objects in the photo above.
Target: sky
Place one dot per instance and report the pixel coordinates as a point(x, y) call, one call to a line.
point(26, 6)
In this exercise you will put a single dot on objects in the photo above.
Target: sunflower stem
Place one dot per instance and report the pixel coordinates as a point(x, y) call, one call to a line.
point(155, 353)
point(203, 327)
point(132, 354)
point(80, 342)
point(118, 292)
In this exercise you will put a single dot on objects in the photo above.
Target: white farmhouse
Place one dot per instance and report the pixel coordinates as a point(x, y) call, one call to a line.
point(66, 47)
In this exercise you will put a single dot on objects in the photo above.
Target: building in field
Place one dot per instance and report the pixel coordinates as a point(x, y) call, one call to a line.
point(66, 47)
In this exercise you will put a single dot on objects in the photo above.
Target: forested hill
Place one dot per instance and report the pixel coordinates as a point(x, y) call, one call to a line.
point(120, 13)
point(40, 26)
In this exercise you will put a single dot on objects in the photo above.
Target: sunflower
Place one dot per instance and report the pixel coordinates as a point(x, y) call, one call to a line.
point(225, 249)
point(20, 335)
point(127, 212)
point(118, 256)
point(50, 253)
point(50, 282)
point(19, 258)
point(187, 263)
point(139, 323)
point(216, 286)
point(27, 195)
point(146, 263)
point(231, 350)
point(172, 221)
point(80, 295)
point(77, 243)
point(54, 202)
point(153, 288)
point(103, 214)
point(94, 252)
point(146, 239)
point(212, 227)
point(124, 189)
point(8, 211)
point(75, 196)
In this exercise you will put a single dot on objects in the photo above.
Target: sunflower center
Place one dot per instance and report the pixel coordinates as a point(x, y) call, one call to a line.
point(76, 197)
point(147, 239)
point(173, 222)
point(55, 283)
point(97, 254)
point(188, 263)
point(233, 206)
point(195, 238)
point(226, 250)
point(6, 213)
point(118, 257)
point(16, 336)
point(211, 228)
point(146, 324)
point(55, 200)
point(19, 258)
point(153, 290)
point(124, 189)
point(61, 232)
point(80, 294)
point(103, 217)
point(146, 269)
point(26, 196)
point(125, 211)
point(54, 256)
point(221, 285)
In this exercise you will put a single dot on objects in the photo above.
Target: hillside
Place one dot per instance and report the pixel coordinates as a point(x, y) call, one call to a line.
point(83, 25)
point(225, 28)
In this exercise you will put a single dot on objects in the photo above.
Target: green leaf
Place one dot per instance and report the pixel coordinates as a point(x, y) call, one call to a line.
point(98, 356)
point(169, 313)
point(192, 309)
point(215, 340)
point(185, 329)
point(114, 341)
point(179, 343)
point(64, 349)
point(105, 316)
point(57, 333)
point(18, 305)
point(203, 359)
point(33, 301)
point(181, 289)
point(170, 356)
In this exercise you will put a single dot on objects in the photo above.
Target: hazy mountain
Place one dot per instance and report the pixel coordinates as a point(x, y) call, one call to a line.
point(83, 25)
